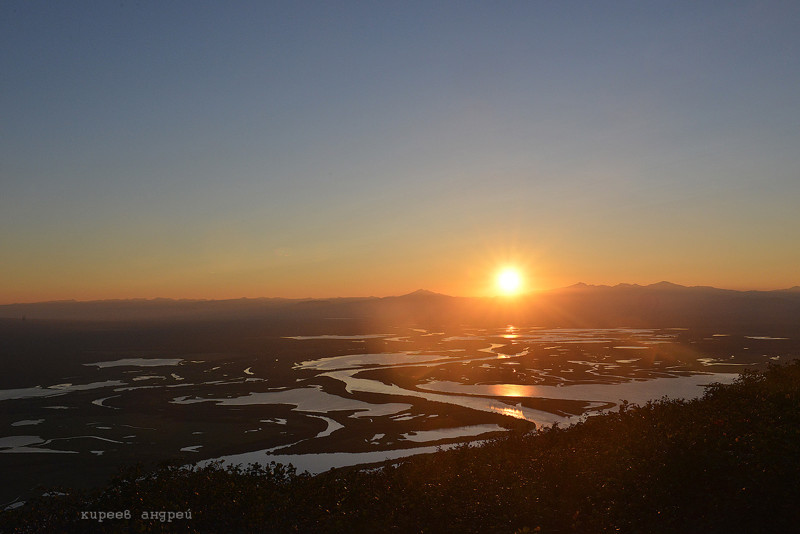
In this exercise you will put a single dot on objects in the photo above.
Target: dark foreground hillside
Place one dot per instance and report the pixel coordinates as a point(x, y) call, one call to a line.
point(729, 462)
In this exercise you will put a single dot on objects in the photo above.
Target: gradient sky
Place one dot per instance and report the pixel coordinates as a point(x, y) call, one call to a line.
point(197, 149)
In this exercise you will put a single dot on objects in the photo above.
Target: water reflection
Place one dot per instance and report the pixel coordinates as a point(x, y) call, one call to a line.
point(511, 332)
point(516, 413)
point(636, 391)
point(512, 390)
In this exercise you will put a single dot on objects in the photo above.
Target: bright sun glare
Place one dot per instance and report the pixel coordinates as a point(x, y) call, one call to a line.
point(509, 281)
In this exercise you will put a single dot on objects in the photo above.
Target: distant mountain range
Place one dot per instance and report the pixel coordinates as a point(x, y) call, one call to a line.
point(657, 305)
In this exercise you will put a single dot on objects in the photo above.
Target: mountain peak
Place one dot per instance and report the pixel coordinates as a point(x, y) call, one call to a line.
point(579, 285)
point(423, 293)
point(666, 285)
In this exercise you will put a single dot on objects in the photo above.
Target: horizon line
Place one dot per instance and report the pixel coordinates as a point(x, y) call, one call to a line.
point(663, 283)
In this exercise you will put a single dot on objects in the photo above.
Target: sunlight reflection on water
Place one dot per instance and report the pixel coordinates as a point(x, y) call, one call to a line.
point(636, 391)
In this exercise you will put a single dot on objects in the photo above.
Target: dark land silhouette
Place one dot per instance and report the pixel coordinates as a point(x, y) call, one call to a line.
point(95, 419)
point(654, 306)
point(726, 463)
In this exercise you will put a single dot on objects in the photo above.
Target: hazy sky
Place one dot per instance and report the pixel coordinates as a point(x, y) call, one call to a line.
point(227, 149)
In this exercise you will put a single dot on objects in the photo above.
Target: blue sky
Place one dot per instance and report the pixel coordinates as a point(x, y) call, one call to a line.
point(200, 149)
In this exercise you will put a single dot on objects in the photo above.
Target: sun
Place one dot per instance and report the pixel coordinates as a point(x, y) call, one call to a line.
point(509, 281)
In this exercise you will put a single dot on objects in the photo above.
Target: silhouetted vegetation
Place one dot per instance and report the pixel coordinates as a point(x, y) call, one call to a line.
point(728, 462)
